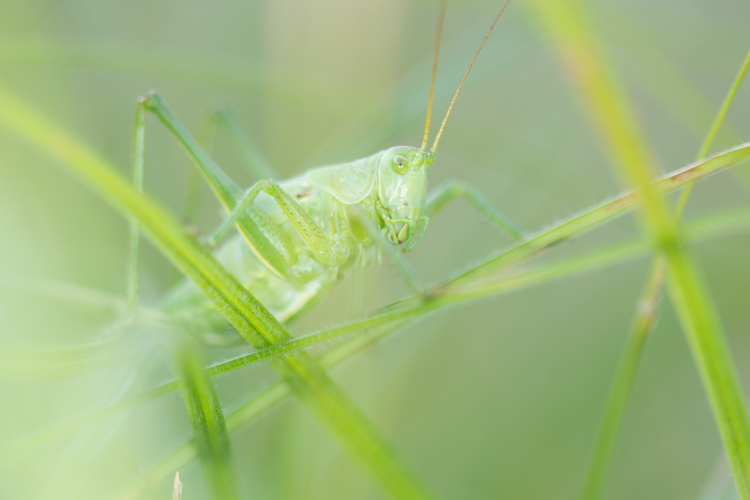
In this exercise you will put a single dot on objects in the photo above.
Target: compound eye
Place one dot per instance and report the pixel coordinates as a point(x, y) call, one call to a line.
point(400, 165)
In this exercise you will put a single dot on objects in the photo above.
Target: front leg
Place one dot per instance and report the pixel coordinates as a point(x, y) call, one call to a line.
point(260, 233)
point(328, 251)
point(392, 251)
point(453, 189)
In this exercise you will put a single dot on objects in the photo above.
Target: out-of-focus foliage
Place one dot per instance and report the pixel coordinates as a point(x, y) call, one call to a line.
point(495, 399)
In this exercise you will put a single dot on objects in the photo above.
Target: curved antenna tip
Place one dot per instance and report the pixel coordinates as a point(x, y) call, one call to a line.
point(453, 101)
point(441, 19)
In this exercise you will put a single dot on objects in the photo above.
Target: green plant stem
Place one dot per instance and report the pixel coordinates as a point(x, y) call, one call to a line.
point(210, 433)
point(138, 157)
point(644, 323)
point(610, 111)
point(254, 407)
point(619, 394)
point(579, 224)
point(242, 310)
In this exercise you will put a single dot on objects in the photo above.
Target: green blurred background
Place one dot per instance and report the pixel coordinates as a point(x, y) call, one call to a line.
point(500, 398)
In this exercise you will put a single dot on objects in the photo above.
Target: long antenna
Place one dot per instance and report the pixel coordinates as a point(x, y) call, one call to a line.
point(450, 108)
point(441, 18)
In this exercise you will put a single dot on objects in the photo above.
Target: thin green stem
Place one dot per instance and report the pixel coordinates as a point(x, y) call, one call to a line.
point(619, 394)
point(722, 113)
point(611, 113)
point(715, 126)
point(207, 420)
point(644, 323)
point(587, 220)
point(248, 411)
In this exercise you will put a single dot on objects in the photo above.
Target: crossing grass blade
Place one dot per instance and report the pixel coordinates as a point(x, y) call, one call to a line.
point(643, 325)
point(607, 104)
point(588, 219)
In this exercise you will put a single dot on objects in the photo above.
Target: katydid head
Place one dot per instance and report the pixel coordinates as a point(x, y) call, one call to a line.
point(402, 190)
point(402, 171)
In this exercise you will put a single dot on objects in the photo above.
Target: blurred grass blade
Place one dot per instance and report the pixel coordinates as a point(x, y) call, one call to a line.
point(658, 74)
point(243, 311)
point(606, 102)
point(251, 409)
point(207, 420)
point(619, 395)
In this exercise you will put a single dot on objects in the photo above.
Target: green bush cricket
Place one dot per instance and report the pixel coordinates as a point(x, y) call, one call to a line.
point(300, 236)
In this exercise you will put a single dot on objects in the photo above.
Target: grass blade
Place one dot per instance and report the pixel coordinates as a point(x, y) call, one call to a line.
point(611, 112)
point(644, 323)
point(251, 409)
point(589, 219)
point(622, 386)
point(207, 419)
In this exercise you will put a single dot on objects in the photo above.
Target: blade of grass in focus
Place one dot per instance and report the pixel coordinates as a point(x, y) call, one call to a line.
point(607, 104)
point(578, 224)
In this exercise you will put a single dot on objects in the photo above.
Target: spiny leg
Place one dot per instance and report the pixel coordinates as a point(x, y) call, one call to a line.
point(394, 254)
point(453, 189)
point(225, 188)
point(193, 192)
point(267, 240)
point(327, 250)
